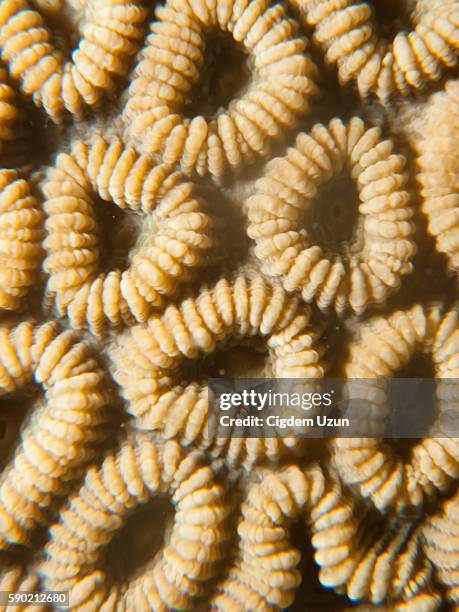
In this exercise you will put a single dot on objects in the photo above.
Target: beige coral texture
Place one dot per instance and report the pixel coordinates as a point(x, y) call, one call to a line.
point(153, 228)
point(147, 358)
point(138, 472)
point(63, 434)
point(110, 36)
point(170, 63)
point(439, 173)
point(347, 32)
point(383, 346)
point(380, 252)
point(88, 295)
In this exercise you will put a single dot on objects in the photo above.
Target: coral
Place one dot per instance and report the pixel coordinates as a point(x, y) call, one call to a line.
point(383, 346)
point(199, 195)
point(15, 578)
point(380, 250)
point(61, 436)
point(394, 566)
point(9, 112)
point(346, 31)
point(141, 470)
point(333, 523)
point(441, 545)
point(176, 238)
point(435, 459)
point(110, 36)
point(279, 89)
point(147, 359)
point(264, 574)
point(439, 172)
point(374, 562)
point(378, 563)
point(21, 233)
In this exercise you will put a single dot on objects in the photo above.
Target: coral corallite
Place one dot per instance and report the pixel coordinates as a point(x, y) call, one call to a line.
point(264, 574)
point(383, 346)
point(111, 35)
point(9, 111)
point(147, 358)
point(83, 291)
point(21, 234)
point(140, 471)
point(440, 536)
point(279, 91)
point(61, 437)
point(439, 176)
point(346, 31)
point(382, 245)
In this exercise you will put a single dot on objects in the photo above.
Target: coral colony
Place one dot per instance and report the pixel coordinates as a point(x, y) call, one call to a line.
point(195, 189)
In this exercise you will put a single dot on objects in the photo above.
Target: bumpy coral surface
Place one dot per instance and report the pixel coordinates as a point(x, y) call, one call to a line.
point(110, 36)
point(440, 536)
point(439, 176)
point(264, 574)
point(9, 112)
point(367, 559)
point(16, 578)
point(202, 189)
point(170, 65)
point(385, 345)
point(381, 246)
point(21, 234)
point(139, 471)
point(348, 34)
point(62, 434)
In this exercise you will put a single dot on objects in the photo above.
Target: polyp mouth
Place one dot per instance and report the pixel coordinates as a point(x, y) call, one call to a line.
point(118, 233)
point(245, 358)
point(136, 544)
point(223, 77)
point(333, 221)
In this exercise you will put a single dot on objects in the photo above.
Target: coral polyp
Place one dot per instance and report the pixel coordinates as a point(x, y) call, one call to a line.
point(111, 35)
point(381, 245)
point(439, 176)
point(278, 92)
point(140, 471)
point(264, 574)
point(174, 242)
point(147, 362)
point(382, 347)
point(347, 32)
point(62, 435)
point(9, 112)
point(21, 234)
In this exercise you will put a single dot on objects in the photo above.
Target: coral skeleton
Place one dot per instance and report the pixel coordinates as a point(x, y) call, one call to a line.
point(141, 470)
point(147, 359)
point(195, 192)
point(176, 234)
